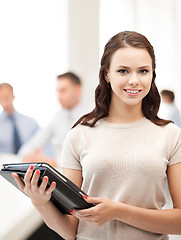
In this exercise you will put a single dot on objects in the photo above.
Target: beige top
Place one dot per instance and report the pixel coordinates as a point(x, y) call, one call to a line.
point(126, 163)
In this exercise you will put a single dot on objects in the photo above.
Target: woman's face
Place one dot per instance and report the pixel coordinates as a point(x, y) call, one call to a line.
point(130, 75)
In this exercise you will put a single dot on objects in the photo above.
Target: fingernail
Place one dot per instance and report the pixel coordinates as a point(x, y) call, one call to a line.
point(37, 171)
point(54, 184)
point(45, 178)
point(84, 196)
point(72, 212)
point(31, 167)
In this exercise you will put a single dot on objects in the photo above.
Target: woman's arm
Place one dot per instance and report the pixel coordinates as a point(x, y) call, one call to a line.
point(158, 221)
point(152, 220)
point(64, 225)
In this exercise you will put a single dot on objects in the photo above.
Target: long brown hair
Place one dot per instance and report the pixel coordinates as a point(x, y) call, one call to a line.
point(150, 103)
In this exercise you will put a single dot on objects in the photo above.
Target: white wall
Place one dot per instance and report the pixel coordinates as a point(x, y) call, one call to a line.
point(83, 44)
point(33, 51)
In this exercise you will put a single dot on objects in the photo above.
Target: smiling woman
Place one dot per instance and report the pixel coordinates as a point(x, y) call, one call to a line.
point(120, 154)
point(125, 49)
point(130, 80)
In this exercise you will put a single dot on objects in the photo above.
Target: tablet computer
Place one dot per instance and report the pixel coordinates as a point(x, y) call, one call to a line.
point(65, 197)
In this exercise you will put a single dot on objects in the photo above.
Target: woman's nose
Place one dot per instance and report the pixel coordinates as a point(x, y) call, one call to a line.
point(133, 80)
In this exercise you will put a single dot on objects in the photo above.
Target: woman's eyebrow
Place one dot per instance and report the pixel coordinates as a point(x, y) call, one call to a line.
point(122, 66)
point(146, 66)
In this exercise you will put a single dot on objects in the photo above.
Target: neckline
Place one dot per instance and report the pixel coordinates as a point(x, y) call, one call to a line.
point(6, 115)
point(123, 125)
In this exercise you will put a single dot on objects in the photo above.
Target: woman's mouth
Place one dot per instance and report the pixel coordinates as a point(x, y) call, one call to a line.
point(132, 92)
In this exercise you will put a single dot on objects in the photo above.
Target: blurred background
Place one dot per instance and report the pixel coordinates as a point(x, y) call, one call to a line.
point(41, 39)
point(44, 38)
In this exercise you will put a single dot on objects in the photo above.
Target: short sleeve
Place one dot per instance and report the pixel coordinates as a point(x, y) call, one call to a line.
point(70, 155)
point(174, 144)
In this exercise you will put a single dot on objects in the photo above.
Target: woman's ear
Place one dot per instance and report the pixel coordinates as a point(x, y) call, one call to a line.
point(106, 76)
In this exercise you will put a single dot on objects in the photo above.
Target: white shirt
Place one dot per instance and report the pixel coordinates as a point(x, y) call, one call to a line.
point(170, 112)
point(56, 131)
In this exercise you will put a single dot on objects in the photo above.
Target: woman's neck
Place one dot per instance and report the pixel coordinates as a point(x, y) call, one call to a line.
point(124, 113)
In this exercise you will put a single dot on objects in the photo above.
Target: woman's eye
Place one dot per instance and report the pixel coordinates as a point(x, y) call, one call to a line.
point(144, 71)
point(123, 71)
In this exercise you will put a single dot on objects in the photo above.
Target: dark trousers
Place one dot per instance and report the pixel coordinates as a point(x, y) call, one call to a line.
point(44, 233)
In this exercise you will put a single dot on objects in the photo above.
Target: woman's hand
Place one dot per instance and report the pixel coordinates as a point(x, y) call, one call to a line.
point(39, 195)
point(103, 211)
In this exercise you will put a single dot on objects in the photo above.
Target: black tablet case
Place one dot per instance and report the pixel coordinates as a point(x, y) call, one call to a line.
point(65, 197)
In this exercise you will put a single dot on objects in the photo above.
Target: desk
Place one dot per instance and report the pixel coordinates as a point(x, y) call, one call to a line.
point(18, 217)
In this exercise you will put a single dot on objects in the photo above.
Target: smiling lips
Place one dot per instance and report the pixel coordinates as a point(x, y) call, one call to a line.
point(132, 92)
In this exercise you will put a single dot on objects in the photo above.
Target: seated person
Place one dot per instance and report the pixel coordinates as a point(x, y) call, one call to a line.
point(15, 128)
point(69, 96)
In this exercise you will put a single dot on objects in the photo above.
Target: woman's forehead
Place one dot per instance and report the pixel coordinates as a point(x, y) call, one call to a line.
point(129, 56)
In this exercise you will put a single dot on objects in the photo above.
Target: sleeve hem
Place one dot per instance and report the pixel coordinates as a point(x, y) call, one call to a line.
point(71, 167)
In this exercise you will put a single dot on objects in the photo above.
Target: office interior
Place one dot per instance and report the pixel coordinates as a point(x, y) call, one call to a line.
point(42, 39)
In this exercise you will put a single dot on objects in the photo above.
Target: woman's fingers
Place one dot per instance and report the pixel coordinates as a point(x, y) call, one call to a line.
point(43, 185)
point(18, 180)
point(28, 176)
point(30, 183)
point(51, 188)
point(34, 180)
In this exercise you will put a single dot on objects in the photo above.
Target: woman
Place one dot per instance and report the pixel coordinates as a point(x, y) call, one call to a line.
point(120, 154)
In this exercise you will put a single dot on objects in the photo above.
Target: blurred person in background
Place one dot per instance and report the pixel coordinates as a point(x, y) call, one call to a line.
point(168, 109)
point(69, 91)
point(15, 128)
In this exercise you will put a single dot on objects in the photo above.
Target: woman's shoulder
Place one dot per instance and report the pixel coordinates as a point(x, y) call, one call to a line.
point(83, 130)
point(173, 127)
point(76, 131)
point(167, 127)
point(172, 133)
